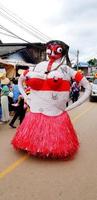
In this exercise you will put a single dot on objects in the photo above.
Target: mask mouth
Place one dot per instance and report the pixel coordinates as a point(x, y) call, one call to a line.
point(54, 57)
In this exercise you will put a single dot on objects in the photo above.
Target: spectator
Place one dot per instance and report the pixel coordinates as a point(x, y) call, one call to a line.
point(74, 92)
point(4, 103)
point(16, 91)
point(10, 101)
point(20, 110)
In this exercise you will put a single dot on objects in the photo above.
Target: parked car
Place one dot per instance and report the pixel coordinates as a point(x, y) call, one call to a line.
point(93, 95)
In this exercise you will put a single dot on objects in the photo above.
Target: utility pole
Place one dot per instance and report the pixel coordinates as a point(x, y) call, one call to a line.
point(77, 61)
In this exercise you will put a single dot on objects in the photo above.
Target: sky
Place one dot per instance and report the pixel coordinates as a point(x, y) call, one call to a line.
point(71, 21)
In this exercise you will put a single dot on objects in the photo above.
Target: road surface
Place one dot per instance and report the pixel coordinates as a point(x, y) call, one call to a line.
point(24, 177)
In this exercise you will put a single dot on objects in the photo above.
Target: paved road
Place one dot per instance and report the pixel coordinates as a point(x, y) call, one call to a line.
point(27, 178)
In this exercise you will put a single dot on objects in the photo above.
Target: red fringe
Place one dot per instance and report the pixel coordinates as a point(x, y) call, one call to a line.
point(47, 136)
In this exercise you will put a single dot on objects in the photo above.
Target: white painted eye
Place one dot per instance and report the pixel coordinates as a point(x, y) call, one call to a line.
point(59, 50)
point(48, 51)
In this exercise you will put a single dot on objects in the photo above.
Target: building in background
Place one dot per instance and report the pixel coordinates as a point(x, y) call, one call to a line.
point(16, 56)
point(83, 66)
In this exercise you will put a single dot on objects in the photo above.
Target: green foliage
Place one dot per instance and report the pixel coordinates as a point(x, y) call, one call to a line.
point(92, 62)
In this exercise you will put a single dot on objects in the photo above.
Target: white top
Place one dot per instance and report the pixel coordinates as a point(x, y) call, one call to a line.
point(49, 101)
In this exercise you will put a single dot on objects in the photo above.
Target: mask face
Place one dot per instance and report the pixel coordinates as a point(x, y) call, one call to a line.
point(54, 51)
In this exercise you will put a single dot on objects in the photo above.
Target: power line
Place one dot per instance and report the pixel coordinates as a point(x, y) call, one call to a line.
point(13, 18)
point(7, 30)
point(22, 24)
point(7, 34)
point(24, 28)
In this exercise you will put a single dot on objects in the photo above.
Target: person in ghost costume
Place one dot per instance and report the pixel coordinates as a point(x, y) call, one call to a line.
point(47, 130)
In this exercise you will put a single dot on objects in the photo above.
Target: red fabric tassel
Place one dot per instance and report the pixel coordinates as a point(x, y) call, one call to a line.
point(47, 136)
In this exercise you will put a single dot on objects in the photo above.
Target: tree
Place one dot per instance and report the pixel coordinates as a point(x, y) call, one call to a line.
point(93, 62)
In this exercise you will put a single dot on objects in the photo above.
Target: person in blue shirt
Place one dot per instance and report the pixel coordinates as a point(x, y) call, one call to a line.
point(16, 91)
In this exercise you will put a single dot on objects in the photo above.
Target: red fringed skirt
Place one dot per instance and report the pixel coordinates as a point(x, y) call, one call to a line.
point(47, 136)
